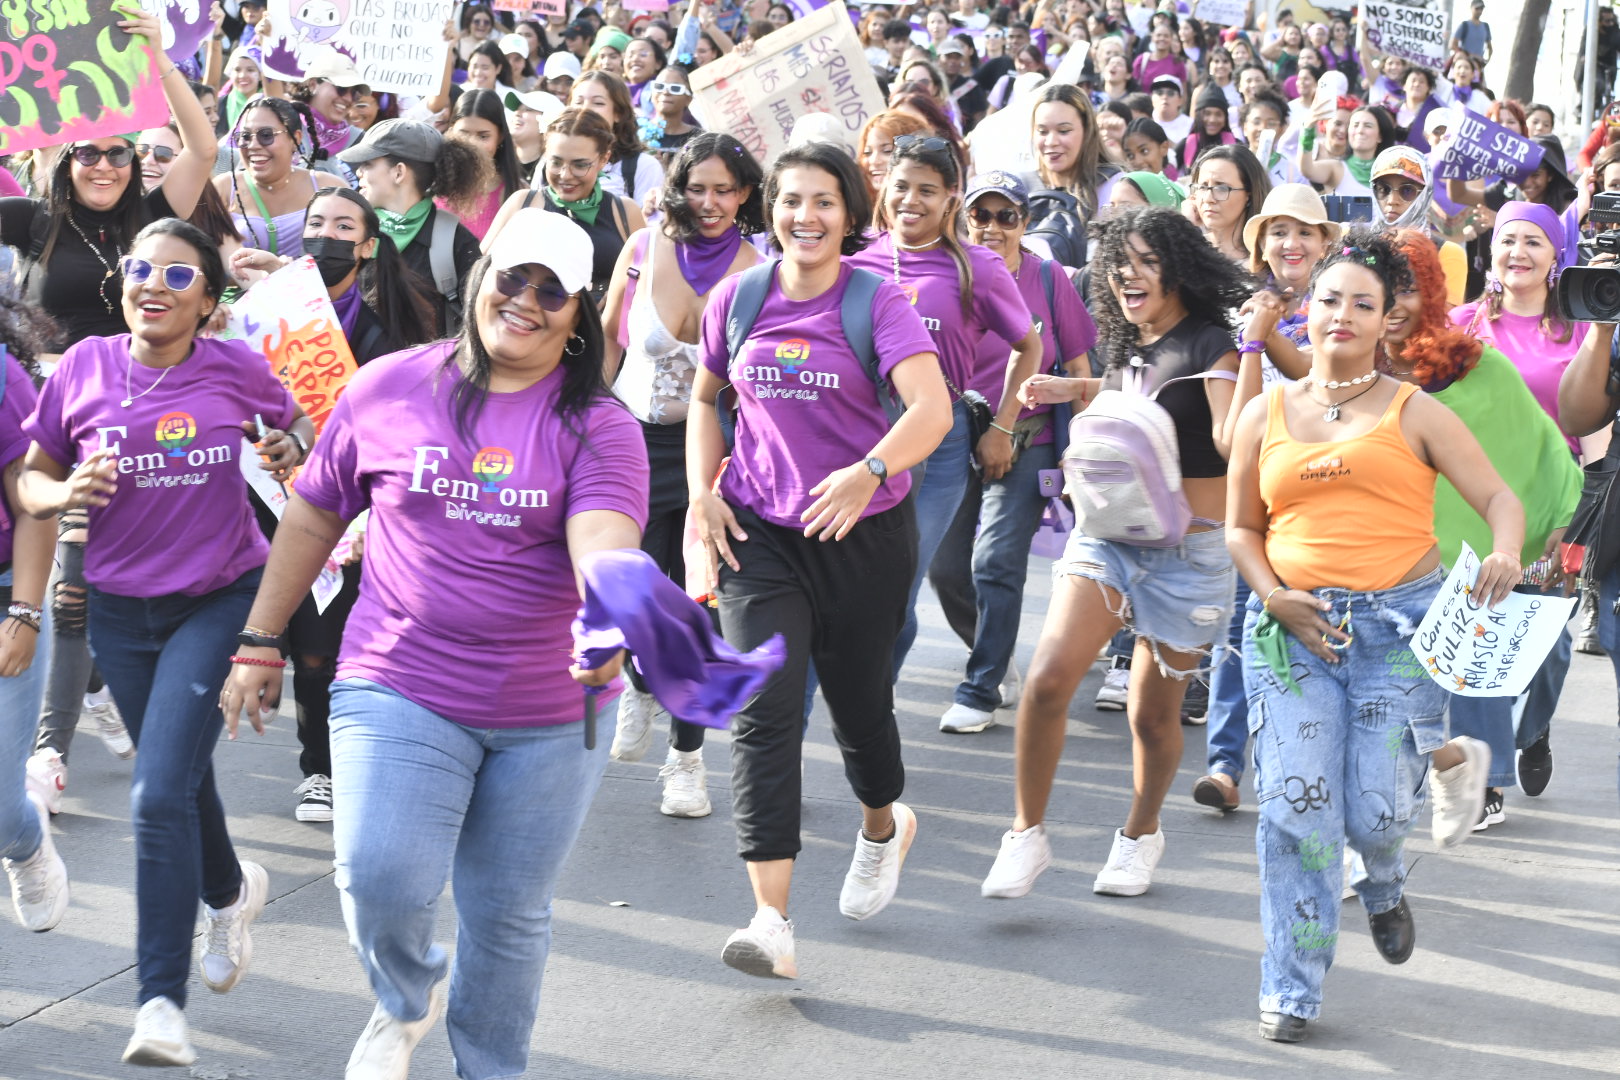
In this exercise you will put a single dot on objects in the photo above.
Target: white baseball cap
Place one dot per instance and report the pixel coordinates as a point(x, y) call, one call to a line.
point(553, 241)
point(560, 64)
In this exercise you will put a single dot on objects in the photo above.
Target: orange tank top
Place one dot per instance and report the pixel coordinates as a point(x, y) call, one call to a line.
point(1355, 513)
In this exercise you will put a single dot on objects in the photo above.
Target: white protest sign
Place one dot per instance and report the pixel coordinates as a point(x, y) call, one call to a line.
point(1139, 17)
point(1073, 64)
point(815, 64)
point(398, 46)
point(1002, 140)
point(1414, 30)
point(1224, 12)
point(270, 492)
point(1475, 651)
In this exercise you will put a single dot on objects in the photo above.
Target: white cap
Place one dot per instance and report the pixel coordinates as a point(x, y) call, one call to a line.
point(514, 45)
point(560, 64)
point(547, 105)
point(533, 235)
point(820, 127)
point(336, 69)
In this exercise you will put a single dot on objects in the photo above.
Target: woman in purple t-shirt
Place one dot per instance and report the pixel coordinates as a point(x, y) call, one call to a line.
point(815, 460)
point(156, 419)
point(490, 464)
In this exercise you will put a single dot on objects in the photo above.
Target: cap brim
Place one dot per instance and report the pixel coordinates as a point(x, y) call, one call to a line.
point(360, 153)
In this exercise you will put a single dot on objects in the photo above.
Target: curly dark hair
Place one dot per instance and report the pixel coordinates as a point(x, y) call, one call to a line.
point(1376, 251)
point(679, 222)
point(25, 332)
point(1210, 285)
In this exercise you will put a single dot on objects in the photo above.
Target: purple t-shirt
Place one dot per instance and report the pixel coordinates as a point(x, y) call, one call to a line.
point(180, 521)
point(18, 406)
point(929, 280)
point(468, 597)
point(807, 405)
point(1066, 331)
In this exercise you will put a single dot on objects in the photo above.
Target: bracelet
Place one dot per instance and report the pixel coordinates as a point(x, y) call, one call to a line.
point(1267, 602)
point(25, 610)
point(259, 632)
point(1252, 347)
point(166, 74)
point(998, 427)
point(257, 640)
point(31, 623)
point(256, 662)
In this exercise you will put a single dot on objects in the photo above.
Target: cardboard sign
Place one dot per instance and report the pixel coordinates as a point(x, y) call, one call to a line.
point(67, 72)
point(538, 7)
point(815, 64)
point(1475, 651)
point(1480, 148)
point(288, 318)
point(1224, 12)
point(397, 45)
point(1414, 30)
point(185, 25)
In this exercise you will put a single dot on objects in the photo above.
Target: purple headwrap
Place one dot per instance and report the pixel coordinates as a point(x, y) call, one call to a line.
point(1544, 218)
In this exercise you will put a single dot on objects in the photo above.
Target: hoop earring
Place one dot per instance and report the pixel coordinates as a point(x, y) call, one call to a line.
point(576, 339)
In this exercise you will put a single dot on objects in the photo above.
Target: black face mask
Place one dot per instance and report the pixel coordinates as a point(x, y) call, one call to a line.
point(333, 257)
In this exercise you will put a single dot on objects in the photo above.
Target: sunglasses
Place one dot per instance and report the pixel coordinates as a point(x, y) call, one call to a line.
point(549, 294)
point(177, 277)
point(673, 89)
point(1006, 218)
point(266, 136)
point(932, 144)
point(1408, 192)
point(343, 91)
point(160, 154)
point(118, 157)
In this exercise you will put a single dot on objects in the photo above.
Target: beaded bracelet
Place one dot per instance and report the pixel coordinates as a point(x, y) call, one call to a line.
point(26, 614)
point(256, 662)
point(1252, 347)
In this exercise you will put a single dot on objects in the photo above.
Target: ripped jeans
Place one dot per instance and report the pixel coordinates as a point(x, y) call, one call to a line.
point(1342, 760)
point(72, 673)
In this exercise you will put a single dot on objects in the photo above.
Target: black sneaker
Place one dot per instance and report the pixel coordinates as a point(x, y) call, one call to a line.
point(1195, 706)
point(1394, 933)
point(314, 799)
point(1494, 813)
point(1535, 766)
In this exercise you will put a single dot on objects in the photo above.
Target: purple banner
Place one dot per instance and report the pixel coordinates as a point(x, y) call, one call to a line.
point(1480, 148)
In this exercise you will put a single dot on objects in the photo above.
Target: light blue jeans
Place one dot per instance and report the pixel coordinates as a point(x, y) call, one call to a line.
point(1342, 760)
point(1228, 730)
point(421, 800)
point(937, 487)
point(19, 714)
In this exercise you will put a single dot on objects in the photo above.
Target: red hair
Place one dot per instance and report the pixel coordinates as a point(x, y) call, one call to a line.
point(1497, 108)
point(1438, 351)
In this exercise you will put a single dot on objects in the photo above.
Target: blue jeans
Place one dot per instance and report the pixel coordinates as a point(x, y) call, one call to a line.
point(421, 799)
point(1010, 511)
point(1228, 730)
point(938, 484)
point(19, 713)
point(165, 659)
point(1339, 761)
point(1494, 719)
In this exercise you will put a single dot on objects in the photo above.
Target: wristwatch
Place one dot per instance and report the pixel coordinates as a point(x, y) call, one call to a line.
point(877, 468)
point(303, 447)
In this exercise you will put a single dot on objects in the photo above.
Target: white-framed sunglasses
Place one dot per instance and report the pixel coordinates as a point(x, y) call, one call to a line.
point(673, 89)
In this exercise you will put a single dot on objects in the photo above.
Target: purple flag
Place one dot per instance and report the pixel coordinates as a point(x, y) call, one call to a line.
point(1480, 148)
point(630, 603)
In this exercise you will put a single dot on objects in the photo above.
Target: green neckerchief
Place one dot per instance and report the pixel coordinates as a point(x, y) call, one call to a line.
point(1271, 642)
point(1361, 170)
point(235, 102)
point(402, 228)
point(586, 208)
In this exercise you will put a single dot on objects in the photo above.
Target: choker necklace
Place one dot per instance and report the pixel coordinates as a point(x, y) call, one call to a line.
point(915, 247)
point(130, 399)
point(1333, 407)
point(1336, 384)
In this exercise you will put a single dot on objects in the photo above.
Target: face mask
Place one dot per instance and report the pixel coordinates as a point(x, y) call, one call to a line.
point(334, 258)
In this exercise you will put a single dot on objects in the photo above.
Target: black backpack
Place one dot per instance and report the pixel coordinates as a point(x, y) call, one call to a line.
point(1055, 219)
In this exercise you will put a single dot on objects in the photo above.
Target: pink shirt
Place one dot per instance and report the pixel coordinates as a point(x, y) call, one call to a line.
point(1540, 359)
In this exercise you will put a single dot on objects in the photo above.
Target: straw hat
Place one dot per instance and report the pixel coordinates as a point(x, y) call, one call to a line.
point(1297, 201)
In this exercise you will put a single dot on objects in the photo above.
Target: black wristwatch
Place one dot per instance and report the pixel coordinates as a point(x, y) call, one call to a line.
point(303, 447)
point(877, 468)
point(249, 639)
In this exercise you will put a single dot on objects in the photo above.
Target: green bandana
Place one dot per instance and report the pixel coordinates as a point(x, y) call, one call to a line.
point(1360, 169)
point(402, 228)
point(585, 209)
point(235, 102)
point(1271, 642)
point(1158, 190)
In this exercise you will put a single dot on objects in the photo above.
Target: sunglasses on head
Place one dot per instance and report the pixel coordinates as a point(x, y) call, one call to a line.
point(925, 143)
point(673, 89)
point(177, 277)
point(1006, 217)
point(549, 294)
point(160, 154)
point(118, 156)
point(1383, 189)
point(266, 136)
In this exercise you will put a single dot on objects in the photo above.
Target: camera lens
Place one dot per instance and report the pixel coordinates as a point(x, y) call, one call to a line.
point(1604, 293)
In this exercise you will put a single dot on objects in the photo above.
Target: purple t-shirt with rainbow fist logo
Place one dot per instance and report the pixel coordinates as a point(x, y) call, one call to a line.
point(180, 521)
point(468, 598)
point(807, 405)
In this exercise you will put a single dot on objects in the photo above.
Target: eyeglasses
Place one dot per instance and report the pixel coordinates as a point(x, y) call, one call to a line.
point(673, 89)
point(160, 154)
point(577, 167)
point(1218, 192)
point(929, 144)
point(266, 136)
point(549, 294)
point(1006, 217)
point(177, 277)
point(483, 24)
point(118, 156)
point(1408, 192)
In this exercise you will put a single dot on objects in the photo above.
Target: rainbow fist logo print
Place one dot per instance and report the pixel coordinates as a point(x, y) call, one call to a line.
point(491, 466)
point(175, 431)
point(793, 354)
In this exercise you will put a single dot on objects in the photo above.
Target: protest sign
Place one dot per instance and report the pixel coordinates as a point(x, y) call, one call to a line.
point(1414, 30)
point(185, 24)
point(1475, 651)
point(398, 46)
point(67, 72)
point(1480, 148)
point(289, 320)
point(1139, 18)
point(1224, 12)
point(545, 7)
point(814, 64)
point(1073, 64)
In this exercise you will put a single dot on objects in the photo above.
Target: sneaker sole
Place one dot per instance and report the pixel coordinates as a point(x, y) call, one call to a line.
point(312, 813)
point(1109, 705)
point(1479, 756)
point(967, 729)
point(700, 812)
point(158, 1054)
point(249, 914)
point(1279, 1033)
point(750, 959)
point(1021, 889)
point(1102, 889)
point(1487, 821)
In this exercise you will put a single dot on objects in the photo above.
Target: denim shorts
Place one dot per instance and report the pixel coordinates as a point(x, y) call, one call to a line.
point(1180, 597)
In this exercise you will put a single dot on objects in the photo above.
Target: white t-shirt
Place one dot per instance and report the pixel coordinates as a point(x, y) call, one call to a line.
point(649, 176)
point(1177, 129)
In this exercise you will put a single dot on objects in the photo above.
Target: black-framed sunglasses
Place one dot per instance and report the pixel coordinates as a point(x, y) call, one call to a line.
point(177, 277)
point(349, 92)
point(549, 294)
point(265, 136)
point(932, 144)
point(119, 157)
point(1007, 217)
point(673, 89)
point(1383, 189)
point(158, 153)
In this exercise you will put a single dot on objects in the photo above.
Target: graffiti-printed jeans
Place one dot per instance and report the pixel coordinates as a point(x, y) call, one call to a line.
point(1340, 761)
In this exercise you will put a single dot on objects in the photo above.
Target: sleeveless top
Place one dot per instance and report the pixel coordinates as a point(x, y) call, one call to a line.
point(655, 377)
point(283, 235)
point(1354, 513)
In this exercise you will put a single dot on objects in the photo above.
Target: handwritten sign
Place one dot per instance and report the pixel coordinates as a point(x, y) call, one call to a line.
point(815, 64)
point(67, 72)
point(1414, 30)
point(1224, 12)
point(288, 318)
point(535, 7)
point(185, 25)
point(397, 45)
point(1481, 148)
point(1475, 651)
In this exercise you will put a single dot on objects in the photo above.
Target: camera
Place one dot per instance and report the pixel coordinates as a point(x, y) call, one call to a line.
point(1592, 293)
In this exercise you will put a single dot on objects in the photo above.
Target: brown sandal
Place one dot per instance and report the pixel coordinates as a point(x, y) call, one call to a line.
point(1218, 791)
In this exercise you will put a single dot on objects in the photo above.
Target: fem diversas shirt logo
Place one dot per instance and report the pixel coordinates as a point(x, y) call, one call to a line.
point(173, 435)
point(789, 377)
point(465, 500)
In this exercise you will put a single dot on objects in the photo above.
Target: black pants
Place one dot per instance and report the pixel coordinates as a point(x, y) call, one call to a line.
point(951, 572)
point(840, 603)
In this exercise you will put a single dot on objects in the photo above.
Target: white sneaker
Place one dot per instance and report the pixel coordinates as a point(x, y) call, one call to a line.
point(384, 1049)
point(47, 778)
point(634, 734)
point(874, 873)
point(686, 792)
point(39, 883)
point(1348, 860)
point(1130, 865)
point(1459, 792)
point(1012, 687)
point(228, 941)
point(1022, 859)
point(764, 947)
point(1116, 685)
point(966, 720)
point(99, 708)
point(160, 1036)
point(314, 799)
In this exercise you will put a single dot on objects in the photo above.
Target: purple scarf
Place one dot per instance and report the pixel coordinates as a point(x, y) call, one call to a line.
point(347, 307)
point(704, 260)
point(333, 135)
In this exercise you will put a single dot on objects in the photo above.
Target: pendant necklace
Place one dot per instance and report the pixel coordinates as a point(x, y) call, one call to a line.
point(1333, 407)
point(101, 289)
point(130, 399)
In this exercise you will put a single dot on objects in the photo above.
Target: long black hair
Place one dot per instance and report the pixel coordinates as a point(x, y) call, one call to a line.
point(679, 223)
point(129, 212)
point(491, 50)
point(486, 105)
point(851, 188)
point(583, 384)
point(937, 154)
point(208, 257)
point(399, 296)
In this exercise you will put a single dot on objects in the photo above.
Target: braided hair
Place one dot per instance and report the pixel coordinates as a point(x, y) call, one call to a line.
point(295, 119)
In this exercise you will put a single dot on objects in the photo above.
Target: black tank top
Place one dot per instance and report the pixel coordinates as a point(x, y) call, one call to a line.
point(607, 235)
